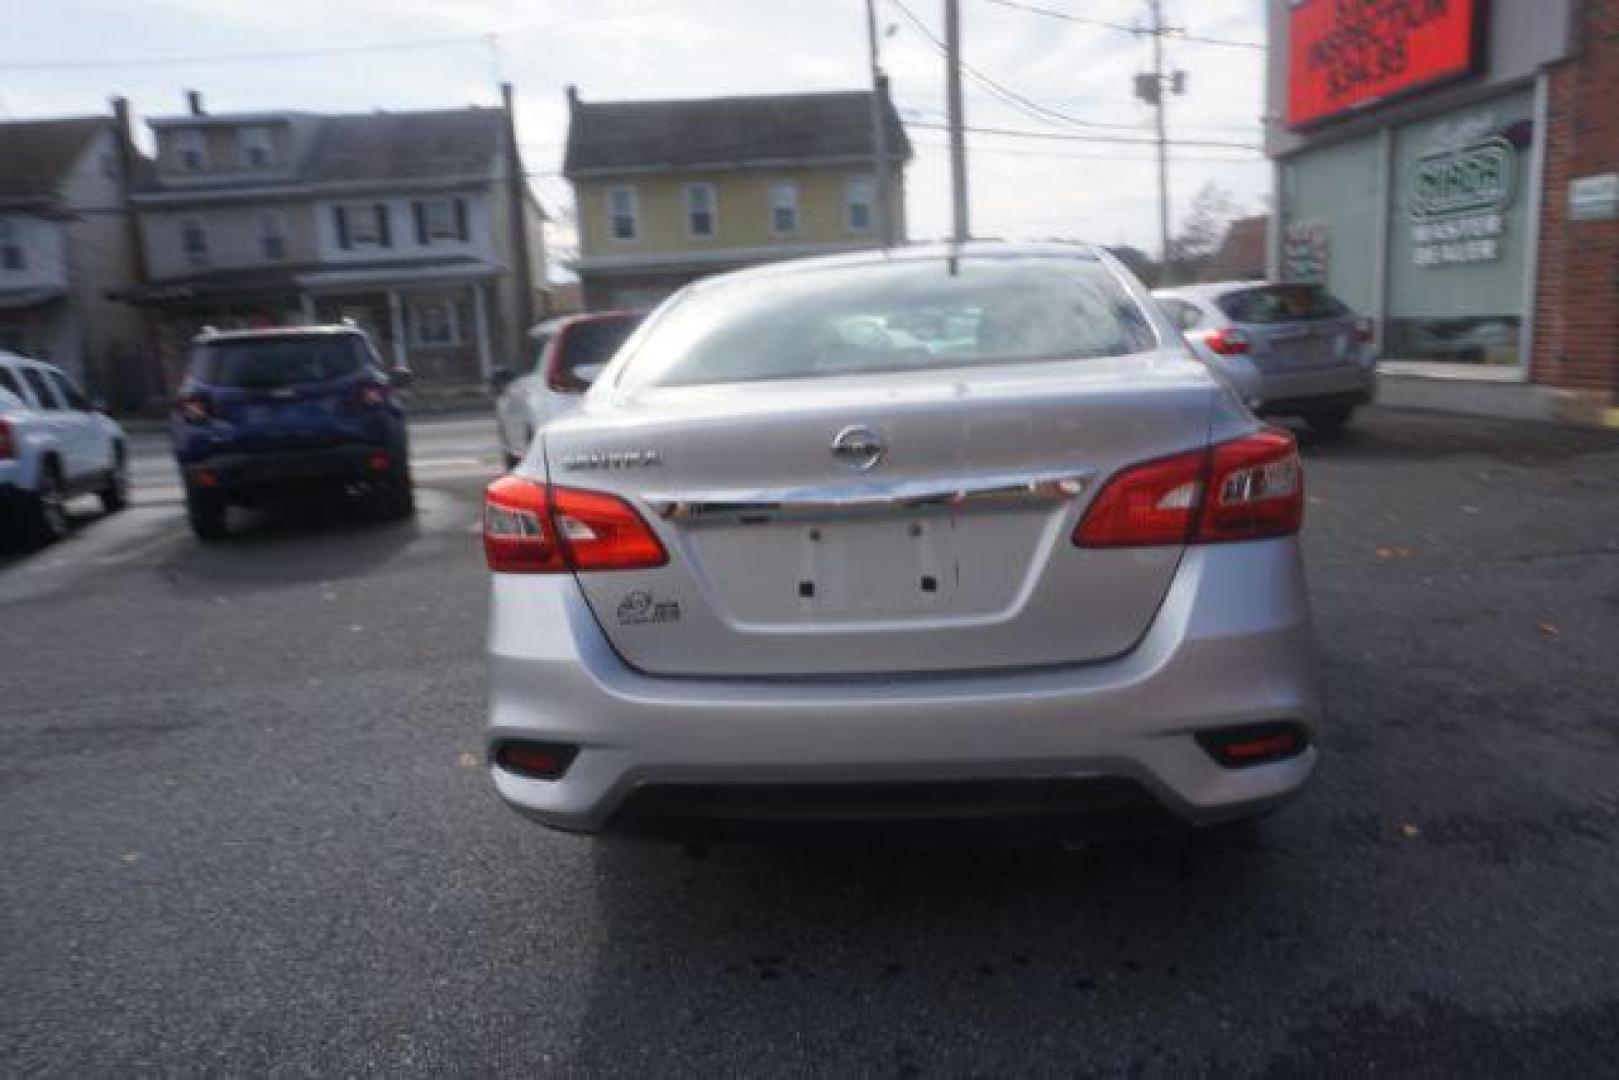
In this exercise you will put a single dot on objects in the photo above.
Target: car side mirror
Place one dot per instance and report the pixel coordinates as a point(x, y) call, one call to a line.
point(400, 377)
point(500, 378)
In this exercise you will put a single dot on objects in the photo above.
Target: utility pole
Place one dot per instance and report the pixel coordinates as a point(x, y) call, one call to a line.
point(958, 146)
point(879, 129)
point(1157, 32)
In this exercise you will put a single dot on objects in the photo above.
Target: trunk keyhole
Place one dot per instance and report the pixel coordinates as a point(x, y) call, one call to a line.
point(930, 583)
point(806, 589)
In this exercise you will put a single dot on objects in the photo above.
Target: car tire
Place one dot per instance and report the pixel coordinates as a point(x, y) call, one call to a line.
point(1329, 419)
point(206, 514)
point(396, 499)
point(115, 495)
point(47, 512)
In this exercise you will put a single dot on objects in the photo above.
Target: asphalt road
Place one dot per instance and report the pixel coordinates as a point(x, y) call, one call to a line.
point(245, 830)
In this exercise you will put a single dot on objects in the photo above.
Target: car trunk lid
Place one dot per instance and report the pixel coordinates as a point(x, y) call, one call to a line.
point(880, 525)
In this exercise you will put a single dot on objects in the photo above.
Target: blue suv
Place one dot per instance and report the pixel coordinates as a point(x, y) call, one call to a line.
point(265, 414)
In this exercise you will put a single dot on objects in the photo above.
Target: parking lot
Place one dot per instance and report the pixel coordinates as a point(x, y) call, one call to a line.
point(246, 826)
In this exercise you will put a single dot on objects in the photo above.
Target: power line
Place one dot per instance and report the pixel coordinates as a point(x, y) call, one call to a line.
point(1177, 34)
point(1023, 104)
point(1076, 137)
point(243, 57)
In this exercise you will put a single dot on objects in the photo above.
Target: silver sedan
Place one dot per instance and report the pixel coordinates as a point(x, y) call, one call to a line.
point(943, 533)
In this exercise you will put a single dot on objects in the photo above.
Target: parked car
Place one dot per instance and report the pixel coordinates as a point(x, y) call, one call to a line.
point(767, 573)
point(267, 414)
point(1290, 350)
point(569, 353)
point(54, 445)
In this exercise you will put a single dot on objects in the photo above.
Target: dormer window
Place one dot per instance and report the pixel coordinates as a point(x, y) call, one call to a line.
point(257, 147)
point(441, 221)
point(191, 149)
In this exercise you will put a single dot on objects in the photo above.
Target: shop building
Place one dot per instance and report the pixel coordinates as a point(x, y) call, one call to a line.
point(1451, 168)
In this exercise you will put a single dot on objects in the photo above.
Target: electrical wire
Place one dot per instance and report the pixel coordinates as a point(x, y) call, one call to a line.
point(1181, 35)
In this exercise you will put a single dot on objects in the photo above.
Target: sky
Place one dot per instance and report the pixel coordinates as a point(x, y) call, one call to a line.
point(68, 57)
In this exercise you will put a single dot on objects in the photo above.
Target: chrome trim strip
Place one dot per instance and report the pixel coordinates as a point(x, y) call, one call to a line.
point(759, 506)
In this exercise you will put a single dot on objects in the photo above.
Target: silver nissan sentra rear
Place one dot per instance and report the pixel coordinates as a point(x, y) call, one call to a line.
point(941, 533)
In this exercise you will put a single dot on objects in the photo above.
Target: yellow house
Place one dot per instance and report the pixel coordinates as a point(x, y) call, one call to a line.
point(671, 191)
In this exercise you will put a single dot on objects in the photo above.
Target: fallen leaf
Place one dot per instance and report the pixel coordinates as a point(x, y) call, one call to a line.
point(1548, 629)
point(1394, 553)
point(467, 760)
point(1410, 831)
point(131, 856)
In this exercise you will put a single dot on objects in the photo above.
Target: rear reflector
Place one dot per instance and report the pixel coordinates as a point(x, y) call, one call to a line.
point(1248, 489)
point(531, 528)
point(206, 478)
point(537, 761)
point(1254, 744)
point(378, 462)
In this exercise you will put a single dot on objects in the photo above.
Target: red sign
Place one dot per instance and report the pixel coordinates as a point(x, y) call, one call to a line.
point(1346, 54)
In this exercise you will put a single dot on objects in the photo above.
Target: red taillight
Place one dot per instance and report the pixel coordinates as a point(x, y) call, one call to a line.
point(8, 443)
point(1248, 489)
point(1226, 342)
point(1364, 330)
point(194, 408)
point(530, 528)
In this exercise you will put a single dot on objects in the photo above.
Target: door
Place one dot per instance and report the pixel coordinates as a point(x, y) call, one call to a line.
point(515, 408)
point(83, 440)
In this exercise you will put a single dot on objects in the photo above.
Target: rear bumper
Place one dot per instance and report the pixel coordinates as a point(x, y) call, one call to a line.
point(1230, 646)
point(289, 471)
point(1347, 384)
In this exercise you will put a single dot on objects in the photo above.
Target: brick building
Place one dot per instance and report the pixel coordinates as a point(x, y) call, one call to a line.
point(1451, 167)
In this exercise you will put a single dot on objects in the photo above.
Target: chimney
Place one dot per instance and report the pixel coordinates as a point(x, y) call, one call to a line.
point(194, 103)
point(120, 115)
point(573, 97)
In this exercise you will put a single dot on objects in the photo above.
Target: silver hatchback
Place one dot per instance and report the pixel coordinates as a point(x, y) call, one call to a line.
point(1288, 350)
point(937, 533)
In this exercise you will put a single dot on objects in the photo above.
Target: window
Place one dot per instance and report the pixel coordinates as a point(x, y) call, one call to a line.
point(624, 213)
point(784, 207)
point(44, 397)
point(277, 361)
point(858, 196)
point(257, 147)
point(1281, 303)
point(191, 149)
point(12, 256)
point(9, 385)
point(194, 240)
point(433, 322)
point(700, 211)
point(66, 391)
point(273, 234)
point(440, 220)
point(585, 347)
point(362, 225)
point(1185, 316)
point(913, 315)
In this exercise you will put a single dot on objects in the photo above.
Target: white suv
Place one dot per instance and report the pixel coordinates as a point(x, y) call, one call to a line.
point(53, 445)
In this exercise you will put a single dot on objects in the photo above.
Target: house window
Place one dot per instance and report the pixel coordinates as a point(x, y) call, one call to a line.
point(194, 240)
point(273, 234)
point(624, 213)
point(362, 225)
point(700, 211)
point(191, 149)
point(858, 196)
point(257, 149)
point(11, 252)
point(434, 322)
point(784, 207)
point(440, 220)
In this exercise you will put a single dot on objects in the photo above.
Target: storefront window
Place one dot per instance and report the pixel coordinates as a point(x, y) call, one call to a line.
point(1457, 235)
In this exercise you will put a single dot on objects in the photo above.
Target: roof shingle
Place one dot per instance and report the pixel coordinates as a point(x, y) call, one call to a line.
point(34, 154)
point(612, 135)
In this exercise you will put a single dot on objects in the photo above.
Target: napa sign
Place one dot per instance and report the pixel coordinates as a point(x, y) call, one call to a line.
point(1456, 203)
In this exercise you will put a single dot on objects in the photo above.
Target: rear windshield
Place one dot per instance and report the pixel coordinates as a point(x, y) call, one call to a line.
point(1281, 303)
point(911, 315)
point(277, 361)
point(592, 343)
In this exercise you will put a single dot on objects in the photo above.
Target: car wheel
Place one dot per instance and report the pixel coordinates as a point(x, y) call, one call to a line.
point(1329, 419)
point(206, 515)
point(396, 498)
point(49, 510)
point(115, 496)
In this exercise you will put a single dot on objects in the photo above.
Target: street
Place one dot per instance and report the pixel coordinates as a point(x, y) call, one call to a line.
point(246, 825)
